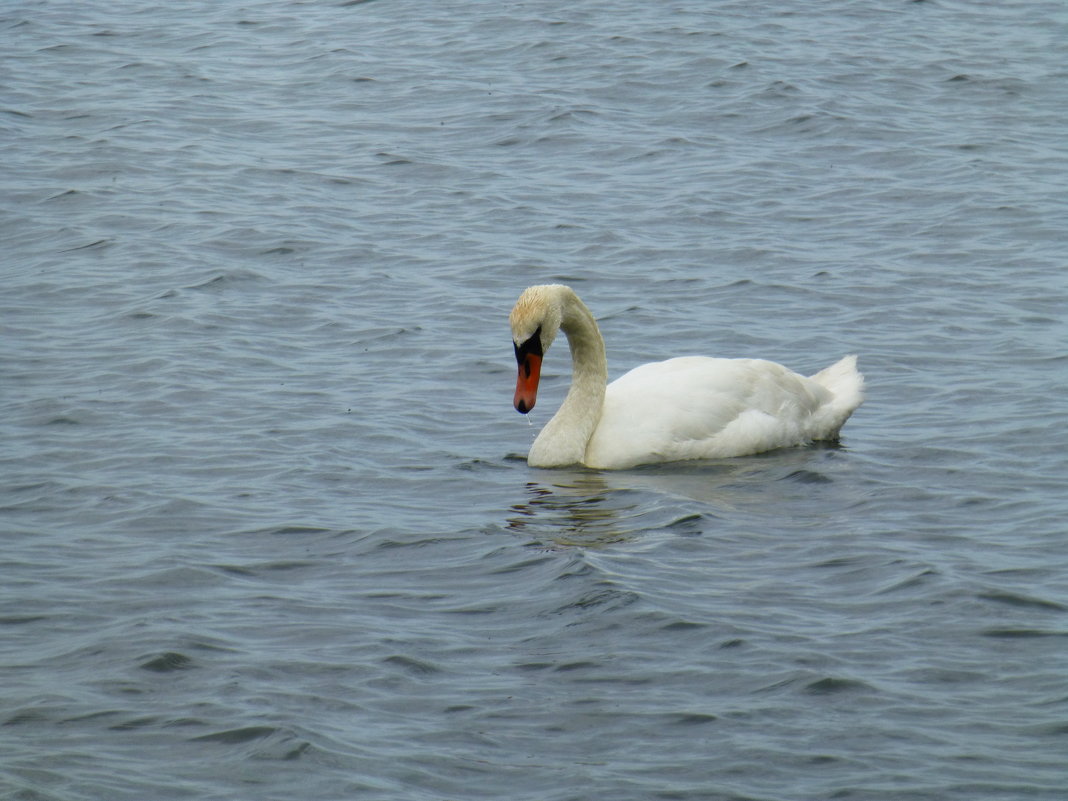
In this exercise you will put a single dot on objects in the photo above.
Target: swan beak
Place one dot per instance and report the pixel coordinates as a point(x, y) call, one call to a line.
point(526, 385)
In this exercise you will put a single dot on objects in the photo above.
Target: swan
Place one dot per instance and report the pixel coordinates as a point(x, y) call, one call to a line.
point(690, 407)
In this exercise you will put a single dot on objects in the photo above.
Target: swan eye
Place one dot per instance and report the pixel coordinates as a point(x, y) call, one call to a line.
point(531, 347)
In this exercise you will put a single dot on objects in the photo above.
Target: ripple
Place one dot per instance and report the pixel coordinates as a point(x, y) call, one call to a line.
point(168, 663)
point(694, 719)
point(1012, 632)
point(607, 598)
point(833, 686)
point(415, 667)
point(807, 477)
point(238, 736)
point(1023, 601)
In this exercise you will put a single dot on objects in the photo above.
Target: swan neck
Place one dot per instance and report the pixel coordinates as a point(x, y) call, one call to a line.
point(564, 439)
point(589, 365)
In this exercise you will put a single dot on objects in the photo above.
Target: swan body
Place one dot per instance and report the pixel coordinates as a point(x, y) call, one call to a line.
point(691, 407)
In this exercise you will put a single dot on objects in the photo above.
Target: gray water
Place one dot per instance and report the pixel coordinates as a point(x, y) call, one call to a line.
point(267, 528)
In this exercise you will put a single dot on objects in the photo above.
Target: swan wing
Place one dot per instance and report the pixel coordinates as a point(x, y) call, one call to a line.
point(697, 407)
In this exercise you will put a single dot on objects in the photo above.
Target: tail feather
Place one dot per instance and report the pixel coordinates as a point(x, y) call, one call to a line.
point(846, 383)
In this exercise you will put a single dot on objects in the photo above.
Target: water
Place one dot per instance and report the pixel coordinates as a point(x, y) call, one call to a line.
point(267, 529)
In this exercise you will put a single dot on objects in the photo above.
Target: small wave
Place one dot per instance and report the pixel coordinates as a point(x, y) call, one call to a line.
point(1025, 601)
point(832, 685)
point(236, 736)
point(412, 666)
point(168, 663)
point(222, 281)
point(1009, 632)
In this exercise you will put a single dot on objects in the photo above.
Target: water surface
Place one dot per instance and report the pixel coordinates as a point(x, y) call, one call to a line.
point(268, 532)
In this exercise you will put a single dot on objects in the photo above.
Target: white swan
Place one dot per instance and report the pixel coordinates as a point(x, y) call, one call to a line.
point(692, 407)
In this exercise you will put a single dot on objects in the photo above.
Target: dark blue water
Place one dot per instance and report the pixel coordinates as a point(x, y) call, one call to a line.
point(267, 530)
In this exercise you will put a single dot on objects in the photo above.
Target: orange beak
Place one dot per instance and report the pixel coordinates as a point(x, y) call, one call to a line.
point(526, 385)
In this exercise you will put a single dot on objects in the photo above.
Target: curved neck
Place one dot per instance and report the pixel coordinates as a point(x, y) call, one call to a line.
point(589, 365)
point(564, 438)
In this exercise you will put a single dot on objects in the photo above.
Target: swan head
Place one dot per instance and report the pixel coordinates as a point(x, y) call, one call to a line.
point(535, 320)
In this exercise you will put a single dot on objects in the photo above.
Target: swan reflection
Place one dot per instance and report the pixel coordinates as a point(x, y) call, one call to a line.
point(579, 510)
point(587, 508)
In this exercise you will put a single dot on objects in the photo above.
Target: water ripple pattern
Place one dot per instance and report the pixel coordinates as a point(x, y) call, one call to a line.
point(268, 530)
